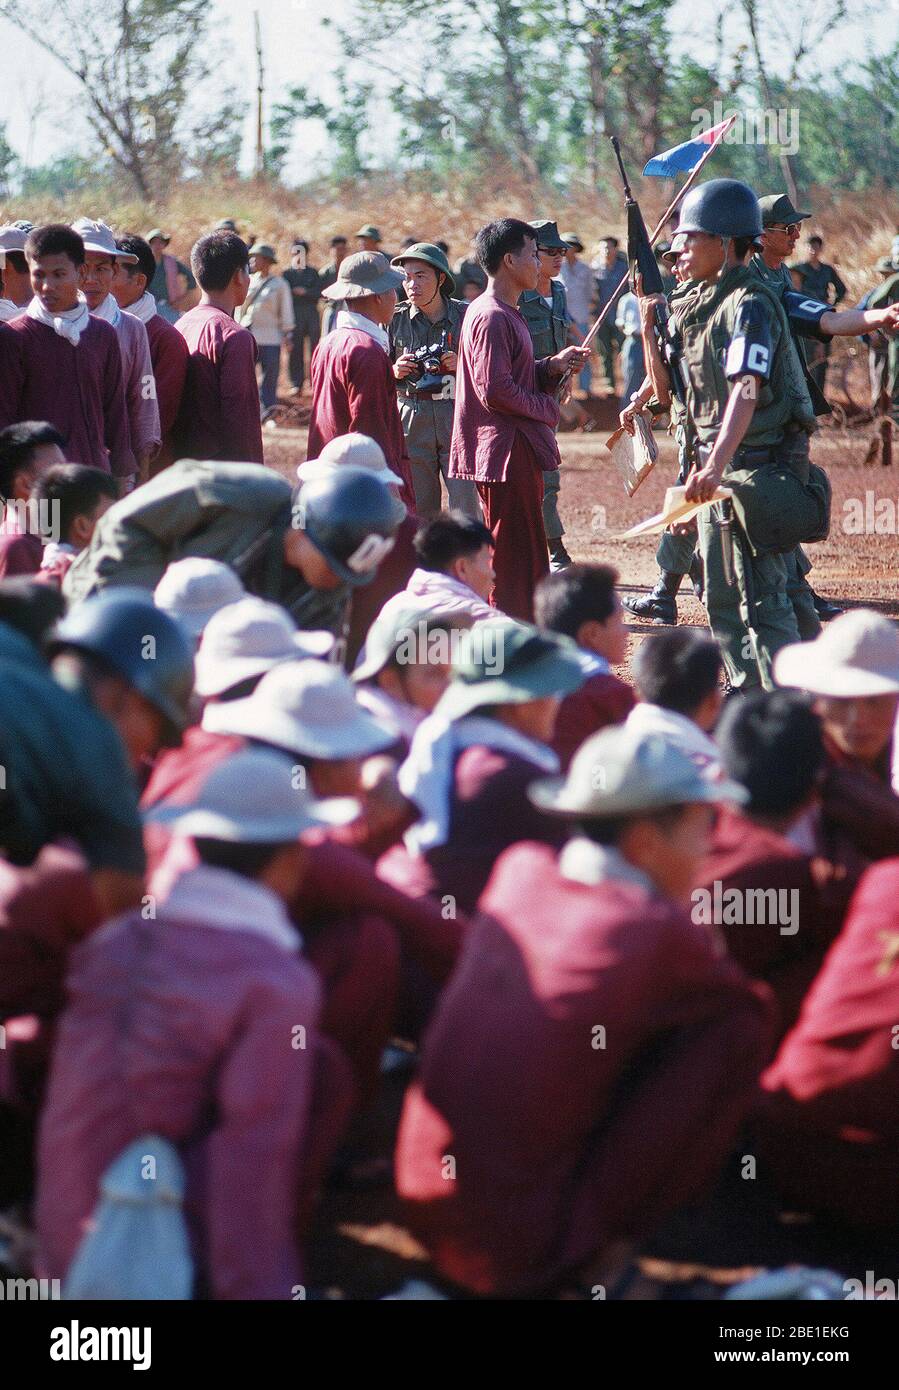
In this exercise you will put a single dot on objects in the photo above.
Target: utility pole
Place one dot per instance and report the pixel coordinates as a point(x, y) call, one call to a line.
point(260, 89)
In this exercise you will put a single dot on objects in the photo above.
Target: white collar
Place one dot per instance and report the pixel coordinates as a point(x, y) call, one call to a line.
point(678, 729)
point(348, 318)
point(70, 324)
point(219, 898)
point(143, 308)
point(108, 310)
point(8, 310)
point(584, 861)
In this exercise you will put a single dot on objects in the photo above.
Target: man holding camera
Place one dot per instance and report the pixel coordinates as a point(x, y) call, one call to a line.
point(424, 339)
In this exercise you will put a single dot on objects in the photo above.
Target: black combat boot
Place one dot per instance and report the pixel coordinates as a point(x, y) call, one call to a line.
point(660, 605)
point(824, 608)
point(559, 559)
point(697, 575)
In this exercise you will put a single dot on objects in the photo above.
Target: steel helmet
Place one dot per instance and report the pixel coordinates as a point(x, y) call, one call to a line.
point(721, 207)
point(350, 517)
point(140, 643)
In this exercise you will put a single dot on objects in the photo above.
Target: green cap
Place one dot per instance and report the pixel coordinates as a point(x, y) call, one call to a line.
point(262, 248)
point(409, 626)
point(548, 238)
point(368, 231)
point(504, 662)
point(776, 207)
point(432, 255)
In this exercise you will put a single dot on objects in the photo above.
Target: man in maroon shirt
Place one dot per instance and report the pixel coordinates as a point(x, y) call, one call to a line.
point(353, 387)
point(219, 416)
point(27, 450)
point(60, 364)
point(168, 349)
point(589, 1063)
point(506, 413)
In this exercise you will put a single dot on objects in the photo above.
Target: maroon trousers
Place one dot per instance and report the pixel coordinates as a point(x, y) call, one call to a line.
point(513, 511)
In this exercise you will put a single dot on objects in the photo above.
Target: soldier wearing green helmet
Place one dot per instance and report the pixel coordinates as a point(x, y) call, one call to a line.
point(744, 392)
point(424, 341)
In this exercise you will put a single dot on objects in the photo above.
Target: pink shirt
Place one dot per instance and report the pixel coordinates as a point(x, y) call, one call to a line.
point(499, 393)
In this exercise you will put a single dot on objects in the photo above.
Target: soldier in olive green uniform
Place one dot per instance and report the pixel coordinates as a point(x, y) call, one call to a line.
point(548, 322)
point(429, 317)
point(306, 550)
point(745, 391)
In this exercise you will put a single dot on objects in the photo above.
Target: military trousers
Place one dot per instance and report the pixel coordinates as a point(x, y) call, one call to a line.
point(752, 618)
point(428, 428)
point(552, 522)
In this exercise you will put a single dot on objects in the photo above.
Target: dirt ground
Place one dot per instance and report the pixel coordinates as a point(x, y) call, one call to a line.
point(361, 1247)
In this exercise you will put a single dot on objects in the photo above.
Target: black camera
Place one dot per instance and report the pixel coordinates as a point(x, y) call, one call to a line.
point(428, 374)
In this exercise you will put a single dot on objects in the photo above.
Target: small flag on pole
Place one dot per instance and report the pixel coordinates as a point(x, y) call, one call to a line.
point(682, 158)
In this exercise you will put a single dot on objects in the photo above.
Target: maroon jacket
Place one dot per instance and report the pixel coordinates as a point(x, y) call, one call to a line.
point(746, 856)
point(219, 416)
point(169, 355)
point(79, 390)
point(603, 699)
point(831, 1123)
point(490, 811)
point(562, 1137)
point(183, 1029)
point(500, 391)
point(353, 388)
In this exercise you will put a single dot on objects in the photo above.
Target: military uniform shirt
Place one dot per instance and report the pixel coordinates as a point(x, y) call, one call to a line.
point(410, 329)
point(547, 326)
point(817, 280)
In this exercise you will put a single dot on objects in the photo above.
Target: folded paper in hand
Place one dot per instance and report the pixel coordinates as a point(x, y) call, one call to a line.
point(675, 511)
point(633, 455)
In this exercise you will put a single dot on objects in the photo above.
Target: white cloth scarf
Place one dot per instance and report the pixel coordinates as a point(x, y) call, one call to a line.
point(585, 861)
point(8, 310)
point(143, 308)
point(219, 898)
point(108, 310)
point(426, 777)
point(647, 718)
point(70, 324)
point(346, 318)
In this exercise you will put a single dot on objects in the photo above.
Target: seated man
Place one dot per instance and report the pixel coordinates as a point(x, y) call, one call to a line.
point(405, 668)
point(779, 908)
point(201, 1026)
point(678, 677)
point(454, 571)
point(582, 603)
point(27, 450)
point(828, 1134)
point(592, 1058)
point(473, 757)
point(307, 551)
point(74, 496)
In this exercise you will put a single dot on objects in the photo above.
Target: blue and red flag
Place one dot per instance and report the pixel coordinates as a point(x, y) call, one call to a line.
point(683, 158)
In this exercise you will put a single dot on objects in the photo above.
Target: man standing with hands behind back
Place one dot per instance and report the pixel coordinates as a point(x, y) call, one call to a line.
point(506, 413)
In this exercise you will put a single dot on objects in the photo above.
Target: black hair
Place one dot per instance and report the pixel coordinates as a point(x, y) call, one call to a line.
point(442, 246)
point(498, 239)
point(55, 239)
point(409, 241)
point(677, 669)
point(579, 594)
point(242, 858)
point(216, 258)
point(74, 489)
point(17, 260)
point(298, 242)
point(742, 244)
point(771, 741)
point(30, 607)
point(146, 261)
point(607, 830)
point(338, 241)
point(612, 240)
point(448, 536)
point(815, 240)
point(17, 447)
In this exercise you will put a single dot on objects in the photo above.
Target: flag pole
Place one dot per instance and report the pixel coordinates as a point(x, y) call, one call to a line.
point(588, 339)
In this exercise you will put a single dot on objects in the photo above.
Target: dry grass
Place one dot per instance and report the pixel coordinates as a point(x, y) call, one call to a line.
point(857, 229)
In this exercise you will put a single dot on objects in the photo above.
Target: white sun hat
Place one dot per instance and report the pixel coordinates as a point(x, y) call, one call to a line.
point(253, 798)
point(248, 638)
point(307, 707)
point(856, 655)
point(352, 450)
point(194, 589)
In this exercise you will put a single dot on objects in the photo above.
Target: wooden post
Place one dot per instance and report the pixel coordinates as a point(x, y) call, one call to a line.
point(260, 89)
